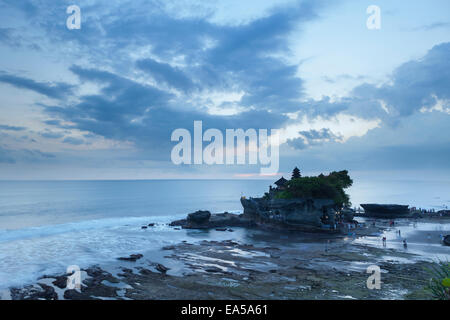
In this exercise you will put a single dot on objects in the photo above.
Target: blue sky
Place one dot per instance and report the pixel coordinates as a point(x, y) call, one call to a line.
point(101, 102)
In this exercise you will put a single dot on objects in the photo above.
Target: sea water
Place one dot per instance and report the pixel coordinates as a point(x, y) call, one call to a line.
point(46, 226)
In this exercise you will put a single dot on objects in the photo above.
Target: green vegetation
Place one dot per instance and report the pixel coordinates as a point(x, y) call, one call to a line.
point(322, 187)
point(439, 286)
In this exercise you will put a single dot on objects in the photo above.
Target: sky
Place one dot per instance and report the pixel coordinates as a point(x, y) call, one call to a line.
point(102, 101)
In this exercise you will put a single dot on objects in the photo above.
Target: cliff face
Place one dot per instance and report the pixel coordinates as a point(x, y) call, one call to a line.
point(292, 213)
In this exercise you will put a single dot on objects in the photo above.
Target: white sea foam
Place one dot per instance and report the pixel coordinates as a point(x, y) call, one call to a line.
point(26, 254)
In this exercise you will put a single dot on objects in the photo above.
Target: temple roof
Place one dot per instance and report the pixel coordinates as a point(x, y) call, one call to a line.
point(281, 182)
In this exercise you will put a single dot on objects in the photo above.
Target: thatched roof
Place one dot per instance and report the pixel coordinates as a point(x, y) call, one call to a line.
point(281, 182)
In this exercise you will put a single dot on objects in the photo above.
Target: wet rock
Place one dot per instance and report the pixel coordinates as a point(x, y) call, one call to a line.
point(73, 294)
point(213, 269)
point(199, 217)
point(60, 282)
point(39, 292)
point(447, 240)
point(161, 268)
point(132, 257)
point(220, 221)
point(127, 271)
point(145, 272)
point(144, 227)
point(151, 224)
point(221, 229)
point(169, 248)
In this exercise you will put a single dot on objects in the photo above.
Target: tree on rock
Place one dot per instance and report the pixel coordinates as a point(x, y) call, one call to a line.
point(296, 173)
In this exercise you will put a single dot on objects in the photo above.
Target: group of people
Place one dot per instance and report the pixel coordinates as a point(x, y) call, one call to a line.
point(405, 243)
point(399, 234)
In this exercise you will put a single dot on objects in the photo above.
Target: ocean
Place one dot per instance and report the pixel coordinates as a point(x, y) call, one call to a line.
point(46, 226)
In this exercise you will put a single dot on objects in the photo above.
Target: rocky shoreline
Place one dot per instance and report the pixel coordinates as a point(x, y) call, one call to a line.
point(281, 266)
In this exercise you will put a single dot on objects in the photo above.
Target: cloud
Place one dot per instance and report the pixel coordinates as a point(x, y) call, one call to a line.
point(415, 84)
point(433, 26)
point(56, 90)
point(190, 52)
point(344, 77)
point(313, 138)
point(11, 128)
point(7, 37)
point(412, 86)
point(126, 110)
point(164, 72)
point(11, 156)
point(5, 156)
point(74, 141)
point(51, 135)
point(144, 71)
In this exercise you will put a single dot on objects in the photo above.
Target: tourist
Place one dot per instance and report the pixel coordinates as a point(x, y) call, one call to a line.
point(384, 241)
point(405, 245)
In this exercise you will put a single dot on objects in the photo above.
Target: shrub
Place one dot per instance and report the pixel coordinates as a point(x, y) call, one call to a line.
point(439, 285)
point(322, 187)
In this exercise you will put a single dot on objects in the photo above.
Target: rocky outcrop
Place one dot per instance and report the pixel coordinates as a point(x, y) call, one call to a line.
point(199, 217)
point(387, 211)
point(34, 292)
point(447, 240)
point(444, 213)
point(293, 214)
point(132, 258)
point(219, 220)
